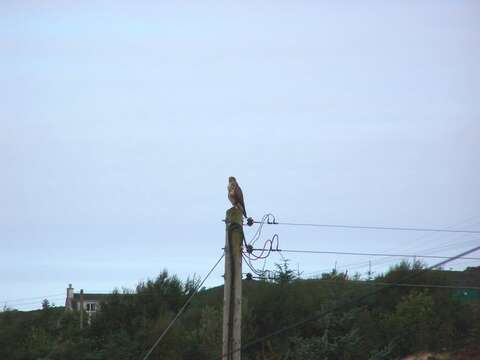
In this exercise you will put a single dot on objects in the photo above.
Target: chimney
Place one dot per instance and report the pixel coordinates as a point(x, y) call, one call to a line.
point(70, 291)
point(69, 299)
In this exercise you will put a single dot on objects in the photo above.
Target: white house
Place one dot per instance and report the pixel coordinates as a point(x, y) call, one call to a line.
point(90, 303)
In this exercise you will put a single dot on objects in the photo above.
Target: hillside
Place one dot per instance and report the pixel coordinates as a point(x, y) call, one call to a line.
point(387, 323)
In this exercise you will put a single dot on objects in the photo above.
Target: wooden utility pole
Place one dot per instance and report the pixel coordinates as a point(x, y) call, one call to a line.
point(81, 308)
point(232, 298)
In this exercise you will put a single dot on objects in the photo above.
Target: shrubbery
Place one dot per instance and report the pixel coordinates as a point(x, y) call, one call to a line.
point(390, 323)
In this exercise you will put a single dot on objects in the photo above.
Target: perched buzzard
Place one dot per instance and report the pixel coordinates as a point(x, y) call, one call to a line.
point(235, 195)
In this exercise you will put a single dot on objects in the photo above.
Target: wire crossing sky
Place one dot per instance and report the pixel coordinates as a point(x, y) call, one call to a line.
point(365, 254)
point(121, 123)
point(368, 227)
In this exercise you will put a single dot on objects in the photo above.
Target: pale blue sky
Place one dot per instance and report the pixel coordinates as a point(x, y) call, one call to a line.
point(120, 123)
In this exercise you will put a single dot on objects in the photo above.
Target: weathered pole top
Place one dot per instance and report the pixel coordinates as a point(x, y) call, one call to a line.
point(234, 216)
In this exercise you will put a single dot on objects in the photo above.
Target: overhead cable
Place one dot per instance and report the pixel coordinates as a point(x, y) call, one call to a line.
point(182, 309)
point(31, 298)
point(363, 254)
point(364, 227)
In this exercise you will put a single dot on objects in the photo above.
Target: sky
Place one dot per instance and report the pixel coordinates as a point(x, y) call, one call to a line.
point(120, 123)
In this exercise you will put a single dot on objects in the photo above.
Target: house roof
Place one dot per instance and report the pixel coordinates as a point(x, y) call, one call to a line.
point(91, 297)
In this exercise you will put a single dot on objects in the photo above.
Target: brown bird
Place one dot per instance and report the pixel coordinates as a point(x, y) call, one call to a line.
point(235, 195)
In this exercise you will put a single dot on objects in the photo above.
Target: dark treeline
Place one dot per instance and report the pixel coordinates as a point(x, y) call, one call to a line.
point(386, 325)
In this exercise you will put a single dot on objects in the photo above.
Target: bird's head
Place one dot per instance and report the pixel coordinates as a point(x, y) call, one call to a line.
point(231, 180)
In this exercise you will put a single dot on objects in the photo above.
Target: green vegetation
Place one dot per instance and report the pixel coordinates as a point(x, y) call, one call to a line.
point(386, 325)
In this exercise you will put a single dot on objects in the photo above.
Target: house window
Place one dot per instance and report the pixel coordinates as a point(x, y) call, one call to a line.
point(91, 307)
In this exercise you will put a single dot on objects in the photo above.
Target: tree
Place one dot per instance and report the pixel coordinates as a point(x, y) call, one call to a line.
point(414, 322)
point(338, 339)
point(45, 304)
point(283, 274)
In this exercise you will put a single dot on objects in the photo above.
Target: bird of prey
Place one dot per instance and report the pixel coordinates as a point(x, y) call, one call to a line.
point(235, 195)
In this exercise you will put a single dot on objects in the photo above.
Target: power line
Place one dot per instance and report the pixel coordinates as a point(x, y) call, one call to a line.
point(389, 256)
point(346, 303)
point(363, 254)
point(436, 249)
point(452, 243)
point(378, 283)
point(393, 228)
point(31, 298)
point(182, 309)
point(270, 219)
point(34, 302)
point(428, 286)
